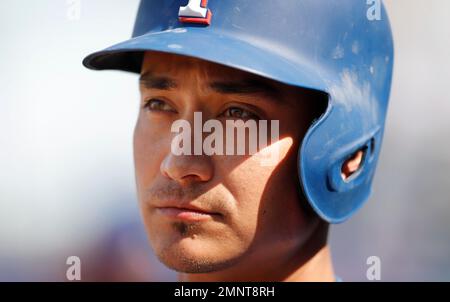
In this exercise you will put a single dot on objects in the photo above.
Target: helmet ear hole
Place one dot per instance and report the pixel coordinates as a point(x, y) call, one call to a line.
point(372, 147)
point(353, 164)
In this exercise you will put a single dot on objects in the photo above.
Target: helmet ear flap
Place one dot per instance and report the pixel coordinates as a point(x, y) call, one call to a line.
point(332, 196)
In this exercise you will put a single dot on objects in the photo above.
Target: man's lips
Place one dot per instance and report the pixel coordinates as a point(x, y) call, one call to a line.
point(189, 213)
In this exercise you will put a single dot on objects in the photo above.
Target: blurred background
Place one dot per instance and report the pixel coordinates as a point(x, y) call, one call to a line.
point(67, 178)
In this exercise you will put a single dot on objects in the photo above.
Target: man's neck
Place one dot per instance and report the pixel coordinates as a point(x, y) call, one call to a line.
point(319, 268)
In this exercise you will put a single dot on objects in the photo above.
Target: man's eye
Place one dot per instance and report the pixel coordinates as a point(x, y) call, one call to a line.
point(158, 105)
point(239, 113)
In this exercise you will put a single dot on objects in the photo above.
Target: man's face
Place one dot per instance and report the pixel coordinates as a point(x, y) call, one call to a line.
point(208, 213)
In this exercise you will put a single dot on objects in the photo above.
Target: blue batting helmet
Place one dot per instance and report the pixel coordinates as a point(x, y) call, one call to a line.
point(331, 46)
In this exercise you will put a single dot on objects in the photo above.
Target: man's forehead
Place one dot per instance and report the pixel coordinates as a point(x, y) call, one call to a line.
point(171, 65)
point(167, 71)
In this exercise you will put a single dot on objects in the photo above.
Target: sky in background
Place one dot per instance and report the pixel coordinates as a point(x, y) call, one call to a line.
point(67, 179)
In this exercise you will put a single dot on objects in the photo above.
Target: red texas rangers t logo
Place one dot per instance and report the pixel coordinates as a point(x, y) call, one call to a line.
point(195, 11)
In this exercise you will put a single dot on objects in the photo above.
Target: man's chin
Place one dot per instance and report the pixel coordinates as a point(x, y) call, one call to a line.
point(193, 258)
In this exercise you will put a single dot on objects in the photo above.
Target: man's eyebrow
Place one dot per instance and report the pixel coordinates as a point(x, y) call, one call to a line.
point(252, 86)
point(151, 81)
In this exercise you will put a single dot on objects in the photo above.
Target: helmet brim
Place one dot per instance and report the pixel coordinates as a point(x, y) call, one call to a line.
point(236, 52)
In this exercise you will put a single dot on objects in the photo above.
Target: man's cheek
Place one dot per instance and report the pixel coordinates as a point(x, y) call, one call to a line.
point(257, 172)
point(272, 155)
point(151, 139)
point(150, 124)
point(147, 159)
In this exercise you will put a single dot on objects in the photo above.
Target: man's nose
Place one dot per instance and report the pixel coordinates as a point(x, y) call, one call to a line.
point(185, 169)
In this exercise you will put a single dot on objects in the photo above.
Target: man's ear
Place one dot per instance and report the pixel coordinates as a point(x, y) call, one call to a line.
point(352, 164)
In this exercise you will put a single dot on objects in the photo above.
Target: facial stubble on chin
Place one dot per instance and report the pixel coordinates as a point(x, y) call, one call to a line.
point(191, 265)
point(184, 229)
